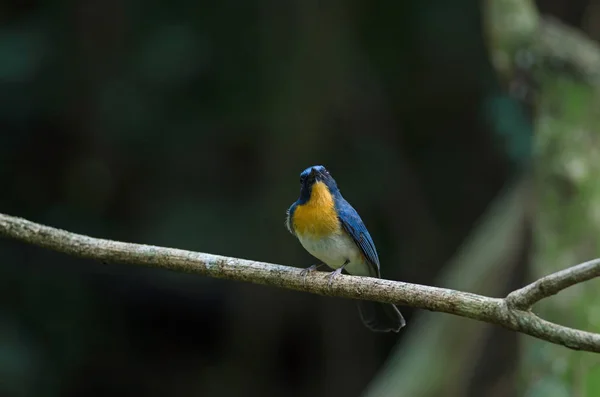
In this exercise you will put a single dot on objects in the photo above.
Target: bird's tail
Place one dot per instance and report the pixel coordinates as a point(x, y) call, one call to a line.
point(380, 317)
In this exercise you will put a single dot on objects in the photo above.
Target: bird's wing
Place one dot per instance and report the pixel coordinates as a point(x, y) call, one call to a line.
point(355, 227)
point(288, 218)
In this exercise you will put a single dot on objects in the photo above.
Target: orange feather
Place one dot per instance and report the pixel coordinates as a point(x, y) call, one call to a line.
point(317, 217)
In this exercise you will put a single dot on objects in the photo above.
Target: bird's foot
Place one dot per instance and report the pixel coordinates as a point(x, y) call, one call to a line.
point(336, 273)
point(309, 269)
point(333, 275)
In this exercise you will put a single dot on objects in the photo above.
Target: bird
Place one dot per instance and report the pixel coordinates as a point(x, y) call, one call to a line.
point(331, 230)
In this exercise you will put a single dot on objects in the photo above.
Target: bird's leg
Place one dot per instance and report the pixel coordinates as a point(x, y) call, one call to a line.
point(309, 269)
point(336, 273)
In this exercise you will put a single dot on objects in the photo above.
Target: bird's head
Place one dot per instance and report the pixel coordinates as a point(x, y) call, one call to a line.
point(317, 174)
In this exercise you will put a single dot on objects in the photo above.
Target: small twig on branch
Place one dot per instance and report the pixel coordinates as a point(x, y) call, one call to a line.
point(550, 285)
point(510, 312)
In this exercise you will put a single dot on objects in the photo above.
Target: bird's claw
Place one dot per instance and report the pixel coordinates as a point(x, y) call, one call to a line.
point(333, 275)
point(305, 272)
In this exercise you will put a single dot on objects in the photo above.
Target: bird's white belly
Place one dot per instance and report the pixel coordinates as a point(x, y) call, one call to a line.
point(335, 250)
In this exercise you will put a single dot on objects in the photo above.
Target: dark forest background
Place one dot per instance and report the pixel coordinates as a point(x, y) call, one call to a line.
point(186, 124)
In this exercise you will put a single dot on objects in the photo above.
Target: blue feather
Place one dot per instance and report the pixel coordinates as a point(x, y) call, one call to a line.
point(354, 226)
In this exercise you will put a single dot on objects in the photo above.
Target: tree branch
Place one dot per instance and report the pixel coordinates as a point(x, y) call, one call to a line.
point(550, 285)
point(505, 312)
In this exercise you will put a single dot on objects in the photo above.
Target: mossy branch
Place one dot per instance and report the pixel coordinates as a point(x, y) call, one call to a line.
point(512, 312)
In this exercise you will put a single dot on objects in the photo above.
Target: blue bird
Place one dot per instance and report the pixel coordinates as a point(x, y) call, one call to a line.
point(333, 232)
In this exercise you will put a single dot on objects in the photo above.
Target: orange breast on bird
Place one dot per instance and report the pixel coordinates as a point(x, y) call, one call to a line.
point(317, 217)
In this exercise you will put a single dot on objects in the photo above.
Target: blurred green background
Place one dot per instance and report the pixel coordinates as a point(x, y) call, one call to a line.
point(187, 123)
